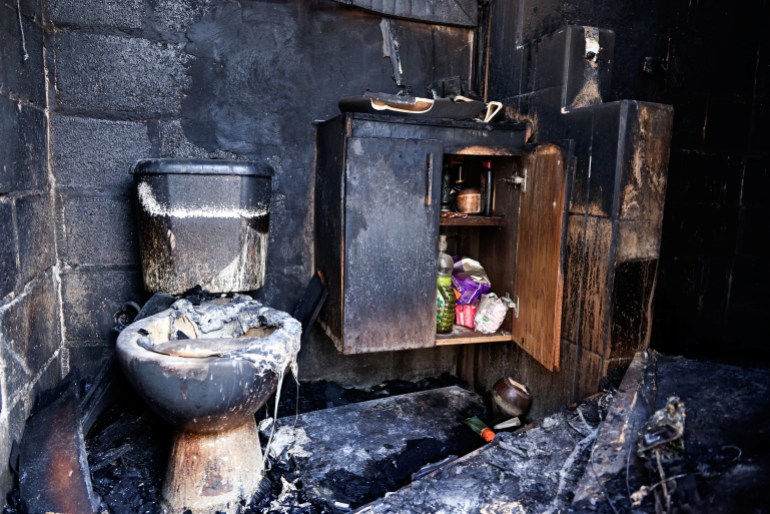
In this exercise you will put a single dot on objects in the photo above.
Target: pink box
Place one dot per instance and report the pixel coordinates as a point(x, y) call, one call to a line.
point(465, 314)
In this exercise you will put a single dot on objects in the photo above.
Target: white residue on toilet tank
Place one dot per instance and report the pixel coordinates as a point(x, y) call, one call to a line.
point(153, 207)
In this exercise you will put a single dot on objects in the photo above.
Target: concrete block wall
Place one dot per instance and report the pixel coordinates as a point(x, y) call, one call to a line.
point(194, 78)
point(32, 357)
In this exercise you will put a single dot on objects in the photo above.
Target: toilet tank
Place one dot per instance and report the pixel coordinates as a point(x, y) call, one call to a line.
point(202, 223)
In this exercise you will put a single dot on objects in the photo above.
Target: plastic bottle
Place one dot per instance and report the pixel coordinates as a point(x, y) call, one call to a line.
point(480, 428)
point(445, 296)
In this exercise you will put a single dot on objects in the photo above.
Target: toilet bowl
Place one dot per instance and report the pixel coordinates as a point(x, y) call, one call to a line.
point(207, 369)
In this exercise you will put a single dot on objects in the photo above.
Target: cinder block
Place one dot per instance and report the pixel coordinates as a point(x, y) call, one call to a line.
point(49, 378)
point(23, 152)
point(93, 153)
point(17, 375)
point(30, 327)
point(177, 15)
point(88, 360)
point(14, 326)
point(110, 74)
point(29, 8)
point(91, 297)
point(10, 431)
point(9, 273)
point(34, 216)
point(98, 230)
point(172, 142)
point(127, 14)
point(25, 79)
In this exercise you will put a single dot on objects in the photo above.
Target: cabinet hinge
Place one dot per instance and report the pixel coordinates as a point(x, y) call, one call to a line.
point(518, 179)
point(512, 302)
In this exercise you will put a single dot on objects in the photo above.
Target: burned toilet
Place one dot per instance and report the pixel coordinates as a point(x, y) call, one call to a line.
point(207, 368)
point(202, 223)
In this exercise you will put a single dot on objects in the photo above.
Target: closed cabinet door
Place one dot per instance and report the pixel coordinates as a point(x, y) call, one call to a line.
point(390, 247)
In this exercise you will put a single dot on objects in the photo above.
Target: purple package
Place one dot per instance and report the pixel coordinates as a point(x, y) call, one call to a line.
point(470, 280)
point(470, 290)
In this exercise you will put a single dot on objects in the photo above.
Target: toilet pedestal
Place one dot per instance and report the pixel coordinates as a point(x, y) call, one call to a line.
point(214, 471)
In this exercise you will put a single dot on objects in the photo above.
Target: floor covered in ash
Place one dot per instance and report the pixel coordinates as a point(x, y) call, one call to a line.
point(675, 436)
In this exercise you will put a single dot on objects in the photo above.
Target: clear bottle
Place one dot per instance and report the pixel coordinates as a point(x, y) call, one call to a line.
point(445, 295)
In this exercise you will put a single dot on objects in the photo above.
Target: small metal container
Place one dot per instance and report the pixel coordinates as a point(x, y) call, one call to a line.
point(469, 201)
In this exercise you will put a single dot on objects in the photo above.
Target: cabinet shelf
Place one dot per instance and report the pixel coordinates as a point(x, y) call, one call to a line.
point(462, 335)
point(473, 221)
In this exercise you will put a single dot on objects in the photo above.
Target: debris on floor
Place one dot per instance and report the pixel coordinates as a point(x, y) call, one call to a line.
point(648, 459)
point(677, 436)
point(356, 453)
point(531, 471)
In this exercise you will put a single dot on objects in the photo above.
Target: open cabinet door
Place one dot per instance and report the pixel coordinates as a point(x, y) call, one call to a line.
point(538, 281)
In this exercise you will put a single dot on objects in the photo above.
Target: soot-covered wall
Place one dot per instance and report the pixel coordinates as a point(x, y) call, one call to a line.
point(197, 78)
point(711, 62)
point(31, 356)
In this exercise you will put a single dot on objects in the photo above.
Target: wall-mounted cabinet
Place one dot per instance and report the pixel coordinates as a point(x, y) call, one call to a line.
point(378, 220)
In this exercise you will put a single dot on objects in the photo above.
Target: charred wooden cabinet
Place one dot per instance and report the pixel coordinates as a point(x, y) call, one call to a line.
point(377, 221)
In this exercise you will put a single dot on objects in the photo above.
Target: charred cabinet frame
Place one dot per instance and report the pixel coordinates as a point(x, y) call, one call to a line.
point(377, 222)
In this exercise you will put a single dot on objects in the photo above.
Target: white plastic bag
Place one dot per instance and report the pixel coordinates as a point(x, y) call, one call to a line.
point(490, 313)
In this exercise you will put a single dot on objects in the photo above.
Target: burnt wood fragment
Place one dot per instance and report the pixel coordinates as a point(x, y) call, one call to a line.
point(54, 474)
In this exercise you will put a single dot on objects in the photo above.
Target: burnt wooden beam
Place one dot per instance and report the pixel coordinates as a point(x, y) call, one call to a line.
point(53, 467)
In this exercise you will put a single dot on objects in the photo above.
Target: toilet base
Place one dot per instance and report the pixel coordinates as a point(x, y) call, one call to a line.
point(213, 472)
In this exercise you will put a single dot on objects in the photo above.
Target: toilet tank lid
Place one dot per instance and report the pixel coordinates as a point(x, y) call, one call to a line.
point(199, 167)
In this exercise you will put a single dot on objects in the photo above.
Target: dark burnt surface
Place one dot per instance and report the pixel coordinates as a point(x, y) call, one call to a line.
point(129, 444)
point(725, 461)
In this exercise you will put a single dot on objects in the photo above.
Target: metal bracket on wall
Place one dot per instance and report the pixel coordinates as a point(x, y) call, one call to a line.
point(518, 180)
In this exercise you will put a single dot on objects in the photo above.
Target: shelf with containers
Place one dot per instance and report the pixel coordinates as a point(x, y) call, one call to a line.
point(378, 218)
